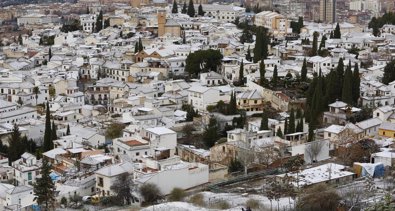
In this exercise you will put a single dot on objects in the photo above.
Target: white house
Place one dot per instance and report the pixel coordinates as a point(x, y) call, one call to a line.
point(16, 197)
point(161, 138)
point(106, 176)
point(26, 169)
point(172, 173)
point(200, 97)
point(133, 147)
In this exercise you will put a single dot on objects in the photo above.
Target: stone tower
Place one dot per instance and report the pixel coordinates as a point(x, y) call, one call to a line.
point(161, 23)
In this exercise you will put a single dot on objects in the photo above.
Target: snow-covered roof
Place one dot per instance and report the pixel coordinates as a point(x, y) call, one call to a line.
point(160, 130)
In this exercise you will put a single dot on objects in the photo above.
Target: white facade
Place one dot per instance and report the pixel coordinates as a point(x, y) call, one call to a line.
point(132, 147)
point(26, 169)
point(88, 22)
point(175, 174)
point(227, 13)
point(161, 137)
point(200, 97)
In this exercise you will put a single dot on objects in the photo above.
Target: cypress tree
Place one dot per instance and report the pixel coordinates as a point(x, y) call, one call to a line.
point(136, 47)
point(331, 35)
point(299, 127)
point(340, 76)
point(300, 23)
point(47, 133)
point(241, 74)
point(184, 8)
point(279, 133)
point(53, 133)
point(20, 40)
point(191, 9)
point(262, 72)
point(258, 44)
point(44, 188)
point(184, 41)
point(298, 113)
point(286, 126)
point(315, 44)
point(337, 33)
point(68, 130)
point(291, 124)
point(200, 10)
point(322, 45)
point(49, 54)
point(141, 47)
point(248, 55)
point(210, 135)
point(99, 22)
point(304, 70)
point(275, 77)
point(232, 104)
point(264, 122)
point(347, 86)
point(356, 83)
point(15, 148)
point(174, 10)
point(389, 73)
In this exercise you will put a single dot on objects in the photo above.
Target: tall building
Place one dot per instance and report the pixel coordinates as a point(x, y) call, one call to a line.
point(328, 11)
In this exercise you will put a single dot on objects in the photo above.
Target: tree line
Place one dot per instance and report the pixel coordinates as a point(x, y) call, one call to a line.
point(341, 83)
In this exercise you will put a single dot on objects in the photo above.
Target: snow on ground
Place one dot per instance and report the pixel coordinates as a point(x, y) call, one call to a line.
point(236, 202)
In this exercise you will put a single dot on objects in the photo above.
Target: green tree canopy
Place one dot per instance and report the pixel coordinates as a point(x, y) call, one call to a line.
point(203, 61)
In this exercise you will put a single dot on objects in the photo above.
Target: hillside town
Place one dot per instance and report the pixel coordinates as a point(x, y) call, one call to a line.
point(197, 105)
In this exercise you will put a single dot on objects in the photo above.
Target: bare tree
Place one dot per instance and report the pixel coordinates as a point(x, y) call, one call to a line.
point(313, 149)
point(352, 195)
point(246, 156)
point(123, 187)
point(267, 155)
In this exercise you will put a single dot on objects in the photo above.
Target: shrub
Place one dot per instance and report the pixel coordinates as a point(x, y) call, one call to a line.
point(150, 193)
point(221, 204)
point(63, 200)
point(177, 194)
point(253, 204)
point(197, 200)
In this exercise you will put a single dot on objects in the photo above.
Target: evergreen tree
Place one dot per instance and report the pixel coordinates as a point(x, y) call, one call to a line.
point(141, 47)
point(262, 72)
point(356, 83)
point(331, 35)
point(184, 41)
point(337, 33)
point(107, 24)
point(261, 44)
point(49, 54)
point(286, 126)
point(304, 70)
point(44, 188)
point(53, 133)
point(15, 146)
point(347, 86)
point(174, 10)
point(47, 133)
point(248, 55)
point(184, 8)
point(87, 10)
point(99, 22)
point(191, 9)
point(200, 10)
point(279, 133)
point(211, 135)
point(68, 130)
point(300, 23)
point(232, 110)
point(275, 77)
point(20, 40)
point(241, 74)
point(291, 124)
point(264, 122)
point(299, 126)
point(136, 47)
point(340, 76)
point(299, 113)
point(389, 73)
point(314, 48)
point(322, 45)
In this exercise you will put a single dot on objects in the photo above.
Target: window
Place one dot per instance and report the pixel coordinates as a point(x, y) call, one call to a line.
point(329, 134)
point(137, 153)
point(100, 184)
point(29, 176)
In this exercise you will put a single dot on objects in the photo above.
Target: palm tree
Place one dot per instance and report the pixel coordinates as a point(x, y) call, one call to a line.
point(36, 91)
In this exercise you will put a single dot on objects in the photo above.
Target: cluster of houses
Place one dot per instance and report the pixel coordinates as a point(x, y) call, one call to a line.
point(93, 80)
